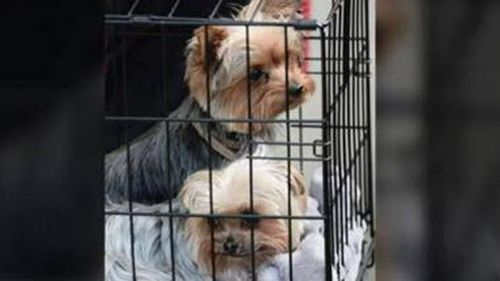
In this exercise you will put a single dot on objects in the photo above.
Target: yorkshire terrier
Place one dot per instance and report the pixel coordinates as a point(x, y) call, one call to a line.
point(231, 198)
point(232, 246)
point(165, 155)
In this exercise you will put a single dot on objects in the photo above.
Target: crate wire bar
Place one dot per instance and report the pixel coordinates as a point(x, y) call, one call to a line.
point(343, 149)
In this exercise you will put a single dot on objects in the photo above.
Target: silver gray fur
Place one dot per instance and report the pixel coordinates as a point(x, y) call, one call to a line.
point(152, 247)
point(157, 173)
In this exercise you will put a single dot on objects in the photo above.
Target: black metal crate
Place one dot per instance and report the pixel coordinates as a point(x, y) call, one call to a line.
point(143, 84)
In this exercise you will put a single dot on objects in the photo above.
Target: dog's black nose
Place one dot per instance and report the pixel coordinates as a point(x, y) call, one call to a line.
point(230, 246)
point(295, 90)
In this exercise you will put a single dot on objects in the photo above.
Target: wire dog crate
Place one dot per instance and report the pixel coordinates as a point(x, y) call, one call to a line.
point(330, 138)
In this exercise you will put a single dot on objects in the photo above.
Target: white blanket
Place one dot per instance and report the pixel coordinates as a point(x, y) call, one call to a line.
point(308, 261)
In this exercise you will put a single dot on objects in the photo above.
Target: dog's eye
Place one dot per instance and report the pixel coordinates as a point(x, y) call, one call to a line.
point(256, 74)
point(250, 221)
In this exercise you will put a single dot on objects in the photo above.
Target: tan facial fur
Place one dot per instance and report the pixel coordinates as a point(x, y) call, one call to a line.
point(227, 65)
point(231, 196)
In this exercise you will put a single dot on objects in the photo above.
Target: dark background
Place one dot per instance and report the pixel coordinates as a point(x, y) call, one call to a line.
point(51, 140)
point(438, 136)
point(463, 138)
point(438, 148)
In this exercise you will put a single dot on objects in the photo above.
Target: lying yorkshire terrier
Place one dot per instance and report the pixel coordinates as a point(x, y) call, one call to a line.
point(159, 164)
point(192, 235)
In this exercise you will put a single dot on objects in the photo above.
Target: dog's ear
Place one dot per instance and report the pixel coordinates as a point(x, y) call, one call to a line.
point(194, 191)
point(208, 48)
point(299, 188)
point(270, 9)
point(202, 54)
point(297, 181)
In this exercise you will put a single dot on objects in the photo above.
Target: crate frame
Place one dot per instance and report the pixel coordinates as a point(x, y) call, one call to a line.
point(346, 123)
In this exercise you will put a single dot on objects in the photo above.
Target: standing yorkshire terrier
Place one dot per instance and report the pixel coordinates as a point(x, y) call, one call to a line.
point(191, 235)
point(165, 155)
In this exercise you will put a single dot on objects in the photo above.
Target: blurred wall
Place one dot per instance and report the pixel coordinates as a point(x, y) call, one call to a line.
point(400, 154)
point(51, 108)
point(438, 133)
point(463, 102)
